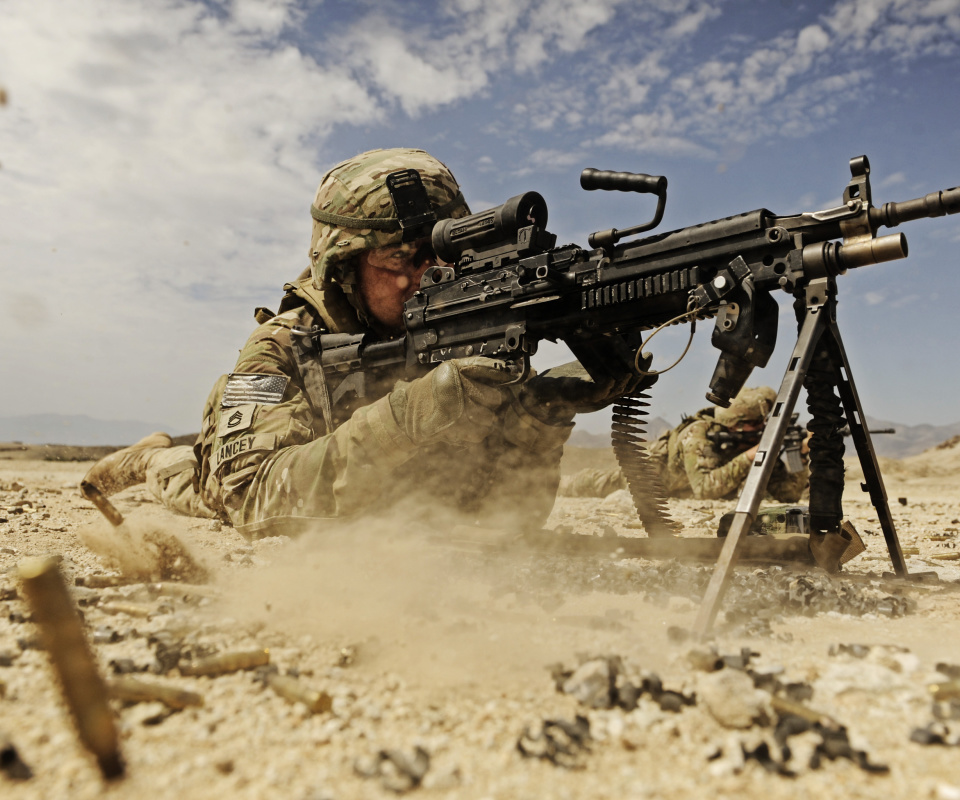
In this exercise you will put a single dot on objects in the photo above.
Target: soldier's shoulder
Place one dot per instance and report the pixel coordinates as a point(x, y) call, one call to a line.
point(278, 327)
point(270, 347)
point(696, 429)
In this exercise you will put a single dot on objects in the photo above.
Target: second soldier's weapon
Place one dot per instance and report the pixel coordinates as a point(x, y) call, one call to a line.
point(505, 286)
point(793, 438)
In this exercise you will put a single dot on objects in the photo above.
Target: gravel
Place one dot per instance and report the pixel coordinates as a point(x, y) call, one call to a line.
point(479, 673)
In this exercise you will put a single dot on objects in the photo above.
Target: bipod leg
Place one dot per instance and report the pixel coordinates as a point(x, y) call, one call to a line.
point(768, 451)
point(873, 481)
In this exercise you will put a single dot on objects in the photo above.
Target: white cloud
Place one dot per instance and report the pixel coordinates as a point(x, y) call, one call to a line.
point(652, 133)
point(812, 39)
point(691, 21)
point(132, 129)
point(549, 160)
point(901, 28)
point(397, 64)
point(264, 17)
point(893, 180)
point(158, 156)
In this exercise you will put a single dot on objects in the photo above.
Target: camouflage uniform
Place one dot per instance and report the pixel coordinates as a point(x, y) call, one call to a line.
point(592, 482)
point(273, 459)
point(691, 465)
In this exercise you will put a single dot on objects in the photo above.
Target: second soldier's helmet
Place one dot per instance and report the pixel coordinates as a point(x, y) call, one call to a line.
point(353, 210)
point(750, 405)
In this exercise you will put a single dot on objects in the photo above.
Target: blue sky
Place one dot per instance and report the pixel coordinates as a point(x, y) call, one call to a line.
point(158, 158)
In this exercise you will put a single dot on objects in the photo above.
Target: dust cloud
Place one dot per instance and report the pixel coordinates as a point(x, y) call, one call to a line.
point(147, 550)
point(425, 603)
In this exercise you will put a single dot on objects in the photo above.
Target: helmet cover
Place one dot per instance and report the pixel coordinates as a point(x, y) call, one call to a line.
point(752, 404)
point(353, 210)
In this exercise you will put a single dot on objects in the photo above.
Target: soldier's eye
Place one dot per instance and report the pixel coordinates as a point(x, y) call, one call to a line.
point(424, 253)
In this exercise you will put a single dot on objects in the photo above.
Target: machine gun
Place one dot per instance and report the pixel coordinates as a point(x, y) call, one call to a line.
point(506, 286)
point(793, 439)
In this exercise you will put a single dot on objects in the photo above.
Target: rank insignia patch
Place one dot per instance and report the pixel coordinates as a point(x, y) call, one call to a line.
point(237, 419)
point(243, 388)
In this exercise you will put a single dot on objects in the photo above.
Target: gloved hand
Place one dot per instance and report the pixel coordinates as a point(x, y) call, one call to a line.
point(557, 395)
point(456, 402)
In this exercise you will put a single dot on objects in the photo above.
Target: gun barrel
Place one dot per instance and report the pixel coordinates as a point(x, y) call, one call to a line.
point(935, 204)
point(873, 251)
point(831, 258)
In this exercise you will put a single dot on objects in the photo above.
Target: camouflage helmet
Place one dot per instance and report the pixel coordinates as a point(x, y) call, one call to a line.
point(353, 211)
point(750, 405)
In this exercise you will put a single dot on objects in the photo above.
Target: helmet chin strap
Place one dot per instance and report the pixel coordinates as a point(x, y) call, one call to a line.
point(347, 281)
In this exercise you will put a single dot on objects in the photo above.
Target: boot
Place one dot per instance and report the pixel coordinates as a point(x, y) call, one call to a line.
point(125, 468)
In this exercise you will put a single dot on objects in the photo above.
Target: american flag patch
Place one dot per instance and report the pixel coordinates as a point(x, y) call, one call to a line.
point(242, 388)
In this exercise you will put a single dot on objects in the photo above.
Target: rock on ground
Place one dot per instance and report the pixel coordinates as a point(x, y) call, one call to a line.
point(446, 651)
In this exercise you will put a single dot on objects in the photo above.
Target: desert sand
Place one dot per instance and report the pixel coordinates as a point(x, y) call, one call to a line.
point(443, 659)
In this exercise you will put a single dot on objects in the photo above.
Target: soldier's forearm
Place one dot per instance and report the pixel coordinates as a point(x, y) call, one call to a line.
point(333, 476)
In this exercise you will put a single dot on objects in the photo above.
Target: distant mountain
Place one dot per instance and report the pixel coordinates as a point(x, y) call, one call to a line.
point(909, 440)
point(75, 429)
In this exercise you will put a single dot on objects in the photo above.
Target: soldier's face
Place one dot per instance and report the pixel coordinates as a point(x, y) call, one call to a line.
point(748, 427)
point(388, 276)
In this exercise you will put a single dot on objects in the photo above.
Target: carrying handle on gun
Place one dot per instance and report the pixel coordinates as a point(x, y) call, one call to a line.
point(592, 179)
point(609, 181)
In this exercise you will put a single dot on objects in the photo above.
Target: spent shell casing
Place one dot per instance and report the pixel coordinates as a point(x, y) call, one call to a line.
point(783, 706)
point(99, 499)
point(291, 690)
point(227, 662)
point(174, 589)
point(131, 690)
point(948, 690)
point(704, 660)
point(130, 609)
point(83, 687)
point(102, 581)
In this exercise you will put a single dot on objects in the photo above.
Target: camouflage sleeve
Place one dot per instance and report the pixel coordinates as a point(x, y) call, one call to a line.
point(336, 475)
point(785, 486)
point(592, 482)
point(357, 467)
point(279, 463)
point(710, 476)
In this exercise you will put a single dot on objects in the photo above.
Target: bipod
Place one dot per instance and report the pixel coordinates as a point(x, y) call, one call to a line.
point(818, 362)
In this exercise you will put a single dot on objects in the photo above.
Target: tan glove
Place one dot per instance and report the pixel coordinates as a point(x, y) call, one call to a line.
point(560, 393)
point(455, 403)
point(528, 432)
